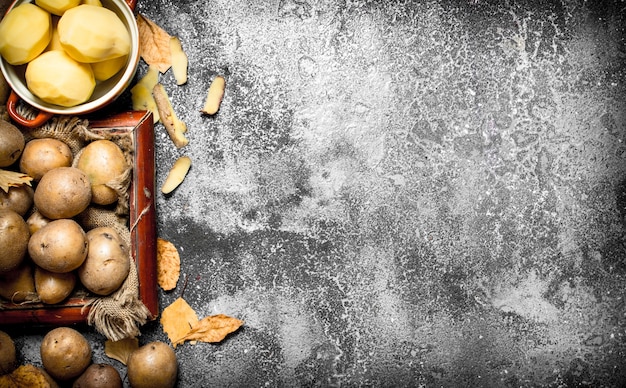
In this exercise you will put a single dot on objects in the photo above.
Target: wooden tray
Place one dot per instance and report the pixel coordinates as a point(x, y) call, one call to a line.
point(143, 230)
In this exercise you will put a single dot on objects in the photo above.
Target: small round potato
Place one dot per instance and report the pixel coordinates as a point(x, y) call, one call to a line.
point(65, 353)
point(11, 143)
point(107, 263)
point(60, 246)
point(103, 161)
point(36, 221)
point(42, 155)
point(63, 192)
point(99, 376)
point(153, 365)
point(8, 359)
point(53, 287)
point(14, 237)
point(18, 285)
point(19, 198)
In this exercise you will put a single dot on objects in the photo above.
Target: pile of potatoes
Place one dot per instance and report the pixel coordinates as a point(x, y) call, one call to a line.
point(66, 357)
point(66, 45)
point(47, 254)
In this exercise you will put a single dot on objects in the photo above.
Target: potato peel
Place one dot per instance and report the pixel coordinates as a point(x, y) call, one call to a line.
point(179, 61)
point(175, 128)
point(177, 174)
point(214, 96)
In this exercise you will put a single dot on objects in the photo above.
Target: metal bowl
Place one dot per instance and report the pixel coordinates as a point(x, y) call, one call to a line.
point(105, 91)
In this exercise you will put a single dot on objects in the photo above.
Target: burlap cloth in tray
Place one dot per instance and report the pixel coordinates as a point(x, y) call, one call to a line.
point(121, 314)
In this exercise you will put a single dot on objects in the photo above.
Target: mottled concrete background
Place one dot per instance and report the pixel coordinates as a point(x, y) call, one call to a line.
point(401, 193)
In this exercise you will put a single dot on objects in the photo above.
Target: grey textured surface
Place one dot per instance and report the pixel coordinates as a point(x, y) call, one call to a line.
point(400, 193)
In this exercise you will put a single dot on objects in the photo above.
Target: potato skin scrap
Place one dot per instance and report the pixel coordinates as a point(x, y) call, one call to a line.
point(179, 61)
point(175, 127)
point(177, 174)
point(214, 96)
point(168, 265)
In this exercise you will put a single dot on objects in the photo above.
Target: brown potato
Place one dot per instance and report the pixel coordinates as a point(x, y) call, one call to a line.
point(153, 365)
point(18, 285)
point(65, 353)
point(19, 199)
point(8, 358)
point(63, 192)
point(11, 143)
point(14, 237)
point(36, 221)
point(107, 263)
point(43, 155)
point(99, 376)
point(53, 287)
point(103, 161)
point(60, 246)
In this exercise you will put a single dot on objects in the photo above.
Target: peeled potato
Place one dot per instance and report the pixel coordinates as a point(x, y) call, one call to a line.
point(104, 70)
point(24, 33)
point(57, 7)
point(90, 33)
point(55, 43)
point(58, 79)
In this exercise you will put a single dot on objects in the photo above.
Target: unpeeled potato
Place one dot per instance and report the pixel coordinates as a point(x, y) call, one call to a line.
point(18, 285)
point(14, 237)
point(18, 199)
point(60, 246)
point(12, 143)
point(108, 261)
point(63, 192)
point(42, 155)
point(153, 365)
point(53, 287)
point(8, 358)
point(65, 353)
point(103, 162)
